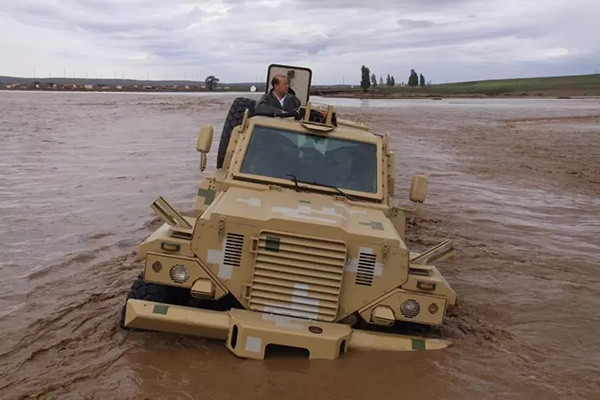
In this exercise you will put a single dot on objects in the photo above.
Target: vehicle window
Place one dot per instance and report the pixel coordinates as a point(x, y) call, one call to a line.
point(328, 161)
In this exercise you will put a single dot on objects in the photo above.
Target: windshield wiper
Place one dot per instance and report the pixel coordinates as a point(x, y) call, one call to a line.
point(296, 180)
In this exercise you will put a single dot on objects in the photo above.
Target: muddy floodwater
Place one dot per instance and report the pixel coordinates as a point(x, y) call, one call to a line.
point(514, 182)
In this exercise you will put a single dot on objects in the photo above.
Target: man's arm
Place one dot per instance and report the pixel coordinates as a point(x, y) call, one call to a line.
point(265, 107)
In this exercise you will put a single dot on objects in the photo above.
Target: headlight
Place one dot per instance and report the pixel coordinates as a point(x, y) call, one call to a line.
point(179, 273)
point(410, 308)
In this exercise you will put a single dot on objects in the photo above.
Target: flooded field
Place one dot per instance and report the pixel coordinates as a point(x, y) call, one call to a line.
point(515, 183)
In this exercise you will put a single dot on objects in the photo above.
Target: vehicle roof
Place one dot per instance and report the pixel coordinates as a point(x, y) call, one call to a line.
point(345, 129)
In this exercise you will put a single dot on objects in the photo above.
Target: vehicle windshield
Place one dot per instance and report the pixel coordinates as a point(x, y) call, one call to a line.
point(328, 161)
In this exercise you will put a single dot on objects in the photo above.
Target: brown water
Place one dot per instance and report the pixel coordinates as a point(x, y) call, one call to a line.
point(515, 183)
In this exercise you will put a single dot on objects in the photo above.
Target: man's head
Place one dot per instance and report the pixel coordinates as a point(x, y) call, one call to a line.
point(280, 85)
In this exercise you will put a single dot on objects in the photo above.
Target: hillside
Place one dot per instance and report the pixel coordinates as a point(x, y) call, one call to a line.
point(578, 85)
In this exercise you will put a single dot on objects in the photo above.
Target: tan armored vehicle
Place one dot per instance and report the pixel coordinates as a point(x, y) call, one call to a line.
point(296, 241)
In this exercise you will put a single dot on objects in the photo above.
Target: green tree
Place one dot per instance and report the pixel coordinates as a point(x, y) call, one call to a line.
point(388, 80)
point(392, 81)
point(413, 79)
point(211, 82)
point(365, 83)
point(421, 80)
point(373, 80)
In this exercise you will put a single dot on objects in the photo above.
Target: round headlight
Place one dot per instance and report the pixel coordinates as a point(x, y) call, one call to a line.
point(179, 273)
point(410, 308)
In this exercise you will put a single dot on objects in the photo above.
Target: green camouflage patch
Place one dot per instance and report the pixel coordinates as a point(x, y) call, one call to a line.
point(158, 309)
point(272, 244)
point(418, 344)
point(304, 202)
point(208, 194)
point(378, 226)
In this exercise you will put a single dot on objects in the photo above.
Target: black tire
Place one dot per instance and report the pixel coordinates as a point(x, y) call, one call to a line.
point(234, 118)
point(141, 290)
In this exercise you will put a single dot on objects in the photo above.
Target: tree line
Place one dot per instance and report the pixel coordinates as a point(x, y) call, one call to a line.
point(369, 80)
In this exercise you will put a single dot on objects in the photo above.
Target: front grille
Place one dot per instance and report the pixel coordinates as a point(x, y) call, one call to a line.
point(297, 276)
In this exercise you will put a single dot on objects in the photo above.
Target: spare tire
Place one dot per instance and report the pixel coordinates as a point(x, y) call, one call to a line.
point(234, 118)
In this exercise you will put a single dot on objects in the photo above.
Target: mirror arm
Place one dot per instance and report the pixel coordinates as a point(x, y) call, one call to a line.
point(203, 160)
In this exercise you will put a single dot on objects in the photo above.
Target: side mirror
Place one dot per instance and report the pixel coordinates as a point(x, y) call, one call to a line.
point(204, 139)
point(418, 188)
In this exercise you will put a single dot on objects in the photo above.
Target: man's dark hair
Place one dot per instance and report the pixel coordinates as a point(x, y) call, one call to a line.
point(275, 80)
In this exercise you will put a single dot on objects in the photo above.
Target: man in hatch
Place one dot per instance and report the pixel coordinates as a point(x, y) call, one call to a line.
point(278, 102)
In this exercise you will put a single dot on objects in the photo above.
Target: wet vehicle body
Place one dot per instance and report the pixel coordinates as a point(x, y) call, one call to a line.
point(295, 241)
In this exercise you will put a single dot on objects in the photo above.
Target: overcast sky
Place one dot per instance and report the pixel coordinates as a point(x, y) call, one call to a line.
point(236, 40)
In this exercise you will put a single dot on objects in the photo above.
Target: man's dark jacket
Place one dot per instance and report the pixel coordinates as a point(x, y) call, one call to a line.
point(269, 105)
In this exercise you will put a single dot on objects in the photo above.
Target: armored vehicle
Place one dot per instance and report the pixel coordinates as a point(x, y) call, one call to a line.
point(296, 242)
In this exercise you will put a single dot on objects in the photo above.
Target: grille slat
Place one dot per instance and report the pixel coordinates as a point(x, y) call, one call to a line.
point(292, 312)
point(335, 246)
point(268, 296)
point(301, 250)
point(297, 276)
point(308, 257)
point(286, 285)
point(292, 279)
point(309, 310)
point(298, 263)
point(299, 271)
point(293, 292)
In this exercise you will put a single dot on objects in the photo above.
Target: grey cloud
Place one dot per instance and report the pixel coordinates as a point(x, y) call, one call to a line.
point(412, 23)
point(407, 6)
point(234, 34)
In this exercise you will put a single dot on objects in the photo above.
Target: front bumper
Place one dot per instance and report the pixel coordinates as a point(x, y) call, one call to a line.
point(249, 334)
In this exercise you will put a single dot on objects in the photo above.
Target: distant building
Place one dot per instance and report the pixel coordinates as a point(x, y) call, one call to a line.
point(89, 87)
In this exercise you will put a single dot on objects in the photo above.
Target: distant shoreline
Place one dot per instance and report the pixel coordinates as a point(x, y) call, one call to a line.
point(359, 95)
point(425, 96)
point(587, 86)
point(545, 87)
